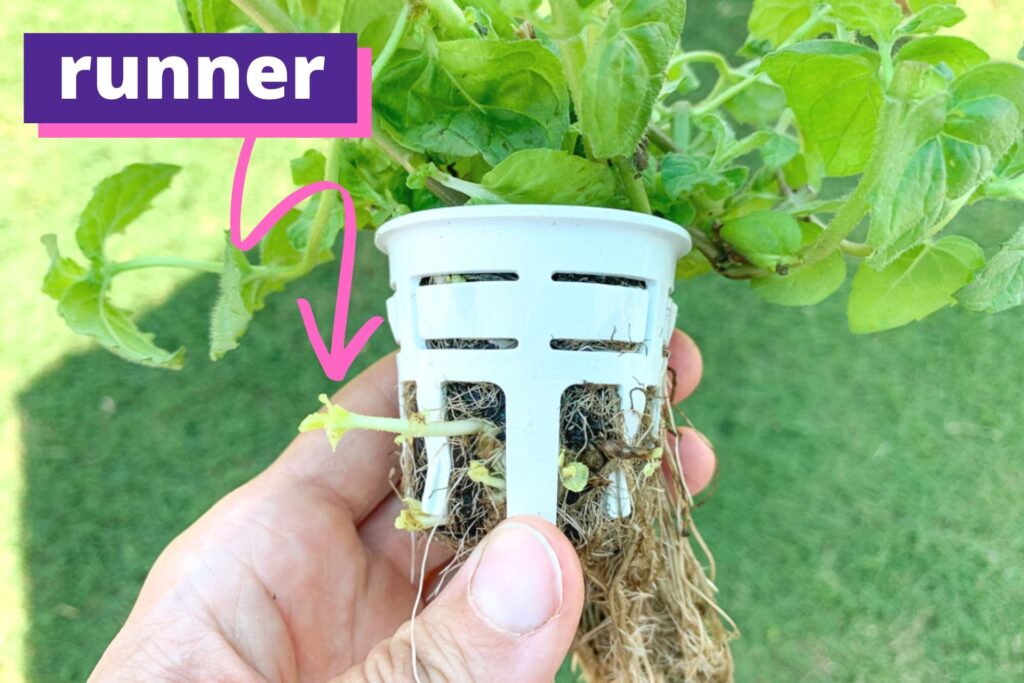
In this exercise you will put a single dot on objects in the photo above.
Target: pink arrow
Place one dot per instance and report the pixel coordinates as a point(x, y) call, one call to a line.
point(339, 358)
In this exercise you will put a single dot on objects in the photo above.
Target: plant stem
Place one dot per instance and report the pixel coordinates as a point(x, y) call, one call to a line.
point(405, 159)
point(394, 39)
point(704, 56)
point(717, 99)
point(661, 139)
point(856, 248)
point(323, 211)
point(414, 429)
point(890, 148)
point(885, 51)
point(712, 103)
point(202, 265)
point(267, 15)
point(451, 17)
point(467, 188)
point(633, 185)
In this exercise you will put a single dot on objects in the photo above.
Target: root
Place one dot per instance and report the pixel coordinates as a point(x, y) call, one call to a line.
point(650, 614)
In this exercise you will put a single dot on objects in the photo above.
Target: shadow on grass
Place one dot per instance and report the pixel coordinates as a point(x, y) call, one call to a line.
point(120, 458)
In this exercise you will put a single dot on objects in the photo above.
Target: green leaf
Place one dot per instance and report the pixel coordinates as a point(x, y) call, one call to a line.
point(995, 78)
point(806, 285)
point(765, 238)
point(760, 104)
point(779, 150)
point(803, 286)
point(242, 292)
point(298, 231)
point(918, 283)
point(694, 264)
point(932, 18)
point(624, 72)
point(901, 215)
point(370, 21)
point(548, 176)
point(833, 89)
point(465, 97)
point(211, 16)
point(235, 304)
point(874, 18)
point(918, 5)
point(976, 136)
point(1000, 284)
point(63, 271)
point(958, 54)
point(683, 175)
point(87, 310)
point(117, 201)
point(309, 168)
point(776, 20)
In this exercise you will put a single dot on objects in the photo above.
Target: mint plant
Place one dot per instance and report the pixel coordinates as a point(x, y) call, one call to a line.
point(844, 137)
point(595, 104)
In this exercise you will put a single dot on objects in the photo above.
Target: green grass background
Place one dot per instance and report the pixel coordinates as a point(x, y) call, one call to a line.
point(869, 518)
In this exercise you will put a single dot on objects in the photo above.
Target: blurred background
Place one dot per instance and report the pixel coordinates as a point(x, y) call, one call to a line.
point(868, 523)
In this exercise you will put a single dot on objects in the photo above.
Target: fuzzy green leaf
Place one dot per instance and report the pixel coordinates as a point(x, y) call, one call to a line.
point(760, 104)
point(958, 54)
point(233, 310)
point(87, 310)
point(874, 18)
point(548, 176)
point(683, 175)
point(776, 20)
point(833, 89)
point(803, 286)
point(465, 97)
point(806, 285)
point(902, 215)
point(977, 135)
point(117, 201)
point(765, 238)
point(309, 168)
point(624, 72)
point(995, 78)
point(63, 271)
point(1000, 284)
point(918, 283)
point(932, 18)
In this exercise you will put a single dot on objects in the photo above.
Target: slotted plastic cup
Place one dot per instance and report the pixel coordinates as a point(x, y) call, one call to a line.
point(547, 249)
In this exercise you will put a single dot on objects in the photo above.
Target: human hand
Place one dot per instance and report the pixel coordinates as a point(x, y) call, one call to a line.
point(300, 575)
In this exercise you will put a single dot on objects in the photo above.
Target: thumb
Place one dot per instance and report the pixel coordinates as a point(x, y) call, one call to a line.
point(509, 614)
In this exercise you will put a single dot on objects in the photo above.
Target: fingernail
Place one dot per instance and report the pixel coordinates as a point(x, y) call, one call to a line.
point(517, 584)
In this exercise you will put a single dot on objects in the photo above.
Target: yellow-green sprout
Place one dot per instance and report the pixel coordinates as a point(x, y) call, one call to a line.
point(413, 518)
point(652, 466)
point(336, 420)
point(479, 473)
point(575, 476)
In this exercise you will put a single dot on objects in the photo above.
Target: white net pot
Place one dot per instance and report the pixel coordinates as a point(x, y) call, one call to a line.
point(553, 322)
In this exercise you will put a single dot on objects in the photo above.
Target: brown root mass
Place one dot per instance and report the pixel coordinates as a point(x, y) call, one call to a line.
point(650, 612)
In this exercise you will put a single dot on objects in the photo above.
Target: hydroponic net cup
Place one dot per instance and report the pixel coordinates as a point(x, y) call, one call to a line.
point(532, 300)
point(552, 324)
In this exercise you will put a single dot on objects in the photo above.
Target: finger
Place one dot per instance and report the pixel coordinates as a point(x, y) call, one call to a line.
point(696, 459)
point(686, 363)
point(356, 473)
point(509, 614)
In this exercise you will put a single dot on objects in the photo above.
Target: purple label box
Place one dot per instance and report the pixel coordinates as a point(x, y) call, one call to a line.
point(197, 85)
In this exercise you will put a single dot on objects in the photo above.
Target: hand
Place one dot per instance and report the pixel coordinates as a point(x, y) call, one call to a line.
point(300, 575)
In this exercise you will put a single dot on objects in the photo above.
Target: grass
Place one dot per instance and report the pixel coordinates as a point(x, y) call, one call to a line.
point(868, 517)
